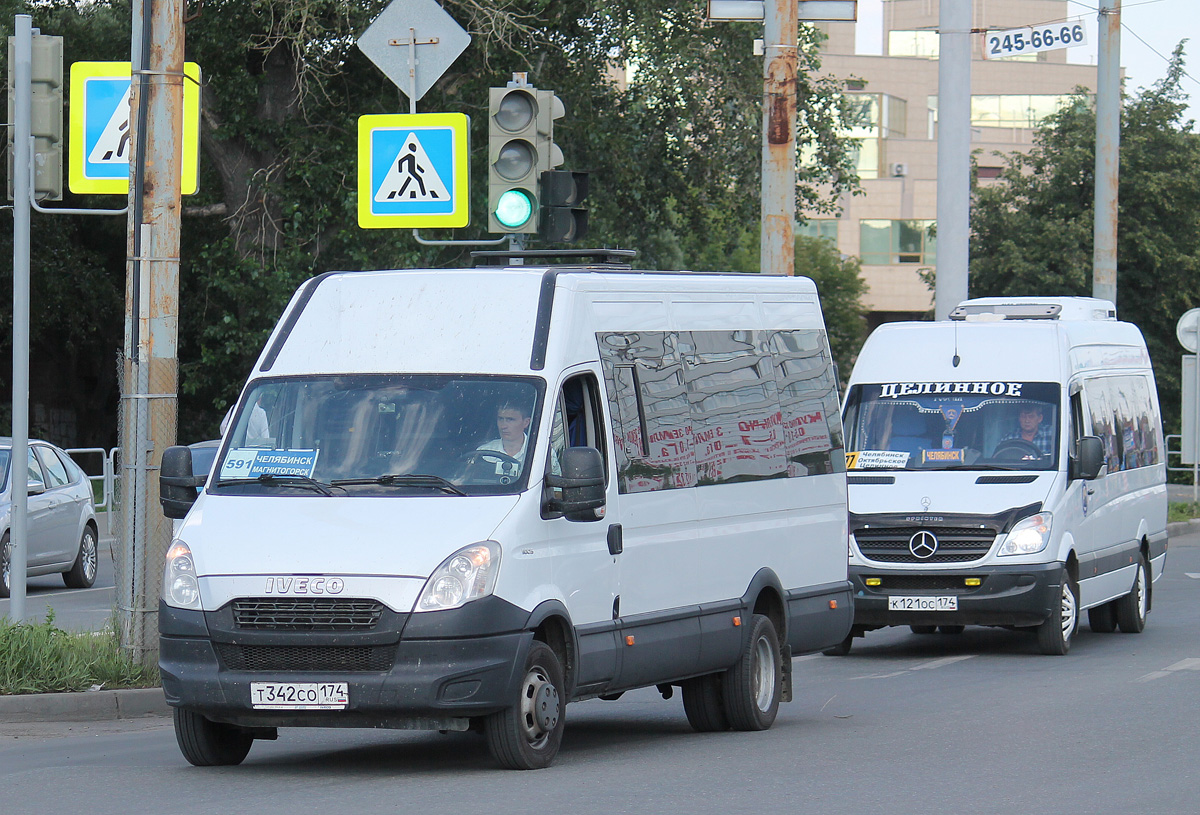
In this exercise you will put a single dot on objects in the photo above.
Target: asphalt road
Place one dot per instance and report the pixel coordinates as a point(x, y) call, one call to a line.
point(73, 609)
point(978, 723)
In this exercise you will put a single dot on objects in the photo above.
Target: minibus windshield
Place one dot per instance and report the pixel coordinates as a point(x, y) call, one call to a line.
point(382, 434)
point(978, 425)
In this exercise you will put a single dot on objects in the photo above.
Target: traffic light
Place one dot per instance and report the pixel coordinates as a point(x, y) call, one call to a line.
point(520, 147)
point(563, 216)
point(46, 87)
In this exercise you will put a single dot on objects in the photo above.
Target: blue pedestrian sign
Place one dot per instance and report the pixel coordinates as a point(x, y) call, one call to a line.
point(99, 144)
point(413, 170)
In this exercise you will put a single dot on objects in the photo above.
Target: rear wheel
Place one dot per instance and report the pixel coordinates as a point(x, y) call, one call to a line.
point(752, 686)
point(1103, 619)
point(704, 705)
point(527, 735)
point(83, 573)
point(206, 743)
point(923, 629)
point(951, 629)
point(1054, 635)
point(1133, 607)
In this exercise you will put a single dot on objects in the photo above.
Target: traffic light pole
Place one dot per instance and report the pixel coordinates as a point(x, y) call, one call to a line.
point(777, 243)
point(22, 129)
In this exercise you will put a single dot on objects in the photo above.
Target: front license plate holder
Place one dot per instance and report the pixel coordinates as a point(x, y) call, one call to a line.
point(926, 603)
point(299, 695)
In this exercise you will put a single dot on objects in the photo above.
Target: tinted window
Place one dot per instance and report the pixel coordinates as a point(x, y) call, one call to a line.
point(1122, 414)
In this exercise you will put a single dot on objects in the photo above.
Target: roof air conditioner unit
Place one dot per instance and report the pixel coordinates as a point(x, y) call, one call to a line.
point(899, 169)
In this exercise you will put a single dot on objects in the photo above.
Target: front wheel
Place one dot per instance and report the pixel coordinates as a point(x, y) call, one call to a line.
point(842, 648)
point(527, 734)
point(1054, 635)
point(5, 566)
point(206, 743)
point(752, 686)
point(1133, 607)
point(82, 573)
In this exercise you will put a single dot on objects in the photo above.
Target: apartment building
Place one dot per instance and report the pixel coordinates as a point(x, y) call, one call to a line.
point(889, 227)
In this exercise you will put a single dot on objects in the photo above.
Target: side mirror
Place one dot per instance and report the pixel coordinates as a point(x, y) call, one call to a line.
point(34, 488)
point(581, 482)
point(176, 484)
point(1090, 458)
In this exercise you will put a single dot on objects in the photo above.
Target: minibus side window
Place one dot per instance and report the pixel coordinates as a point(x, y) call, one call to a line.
point(578, 421)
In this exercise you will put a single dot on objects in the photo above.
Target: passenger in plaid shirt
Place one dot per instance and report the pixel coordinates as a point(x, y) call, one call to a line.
point(1033, 430)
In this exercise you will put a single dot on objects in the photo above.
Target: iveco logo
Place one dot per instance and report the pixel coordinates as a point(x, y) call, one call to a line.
point(922, 545)
point(305, 585)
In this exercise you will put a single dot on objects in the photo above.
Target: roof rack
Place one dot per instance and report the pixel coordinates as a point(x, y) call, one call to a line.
point(1006, 311)
point(608, 258)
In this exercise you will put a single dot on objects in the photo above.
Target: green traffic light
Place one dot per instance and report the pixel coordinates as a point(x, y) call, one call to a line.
point(514, 208)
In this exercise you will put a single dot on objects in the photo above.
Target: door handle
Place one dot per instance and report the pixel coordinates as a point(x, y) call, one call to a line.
point(616, 544)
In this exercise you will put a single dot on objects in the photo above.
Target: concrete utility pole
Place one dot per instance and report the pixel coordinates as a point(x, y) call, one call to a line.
point(954, 156)
point(777, 243)
point(1108, 146)
point(151, 366)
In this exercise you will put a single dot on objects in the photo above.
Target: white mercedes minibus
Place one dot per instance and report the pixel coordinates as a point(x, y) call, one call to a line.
point(459, 499)
point(1007, 468)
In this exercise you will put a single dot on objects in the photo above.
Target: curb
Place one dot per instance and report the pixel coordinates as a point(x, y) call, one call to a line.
point(1183, 527)
point(89, 706)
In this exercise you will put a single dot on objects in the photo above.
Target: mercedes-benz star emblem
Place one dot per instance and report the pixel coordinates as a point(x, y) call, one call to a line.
point(925, 502)
point(923, 545)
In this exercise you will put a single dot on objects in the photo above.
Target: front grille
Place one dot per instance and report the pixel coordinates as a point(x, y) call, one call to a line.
point(924, 582)
point(306, 613)
point(871, 479)
point(1006, 479)
point(283, 658)
point(956, 544)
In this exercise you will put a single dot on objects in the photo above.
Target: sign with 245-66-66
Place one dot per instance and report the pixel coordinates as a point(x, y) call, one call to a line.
point(99, 135)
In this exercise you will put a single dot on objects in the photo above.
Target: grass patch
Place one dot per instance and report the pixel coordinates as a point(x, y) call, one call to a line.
point(42, 658)
point(1182, 511)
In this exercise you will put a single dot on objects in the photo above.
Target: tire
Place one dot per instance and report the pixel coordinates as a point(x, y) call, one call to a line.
point(1103, 619)
point(82, 573)
point(842, 648)
point(1054, 635)
point(704, 704)
point(951, 629)
point(752, 686)
point(206, 743)
point(1133, 607)
point(5, 566)
point(527, 735)
point(922, 629)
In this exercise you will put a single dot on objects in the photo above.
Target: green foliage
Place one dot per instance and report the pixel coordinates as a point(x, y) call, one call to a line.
point(42, 658)
point(1032, 232)
point(1182, 511)
point(840, 287)
point(673, 148)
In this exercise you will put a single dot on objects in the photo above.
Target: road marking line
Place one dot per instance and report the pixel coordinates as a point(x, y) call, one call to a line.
point(1193, 575)
point(1192, 664)
point(940, 663)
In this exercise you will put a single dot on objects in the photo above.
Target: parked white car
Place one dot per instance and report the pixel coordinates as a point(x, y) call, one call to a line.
point(62, 534)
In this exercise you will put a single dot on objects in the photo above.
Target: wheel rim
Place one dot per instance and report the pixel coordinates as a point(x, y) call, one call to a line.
point(539, 706)
point(87, 555)
point(6, 565)
point(1143, 601)
point(1068, 611)
point(764, 673)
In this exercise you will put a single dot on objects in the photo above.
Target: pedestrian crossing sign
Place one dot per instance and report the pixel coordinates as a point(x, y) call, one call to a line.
point(413, 170)
point(99, 144)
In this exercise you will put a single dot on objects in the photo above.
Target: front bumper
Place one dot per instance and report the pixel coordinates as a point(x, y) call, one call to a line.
point(413, 673)
point(1020, 595)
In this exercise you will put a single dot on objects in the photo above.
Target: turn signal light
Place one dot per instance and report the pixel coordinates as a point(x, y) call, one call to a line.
point(629, 640)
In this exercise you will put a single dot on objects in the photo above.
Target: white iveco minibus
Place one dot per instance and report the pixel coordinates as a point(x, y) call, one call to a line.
point(460, 499)
point(1007, 468)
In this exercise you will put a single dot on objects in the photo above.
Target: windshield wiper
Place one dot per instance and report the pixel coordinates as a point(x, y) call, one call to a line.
point(286, 479)
point(404, 480)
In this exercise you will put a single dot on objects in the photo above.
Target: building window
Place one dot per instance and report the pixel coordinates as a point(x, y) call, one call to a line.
point(923, 44)
point(819, 228)
point(884, 243)
point(875, 117)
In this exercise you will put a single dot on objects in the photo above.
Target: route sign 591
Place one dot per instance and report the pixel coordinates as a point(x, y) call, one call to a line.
point(1045, 37)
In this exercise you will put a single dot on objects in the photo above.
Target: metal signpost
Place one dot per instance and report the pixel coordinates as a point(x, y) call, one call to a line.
point(1188, 332)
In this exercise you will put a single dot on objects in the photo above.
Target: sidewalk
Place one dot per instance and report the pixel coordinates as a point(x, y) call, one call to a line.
point(89, 706)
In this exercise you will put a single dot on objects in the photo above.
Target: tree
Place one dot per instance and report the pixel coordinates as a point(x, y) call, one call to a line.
point(1032, 231)
point(840, 287)
point(672, 147)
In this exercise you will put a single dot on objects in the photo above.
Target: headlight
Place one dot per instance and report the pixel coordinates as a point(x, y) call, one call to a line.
point(468, 574)
point(180, 588)
point(1028, 536)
